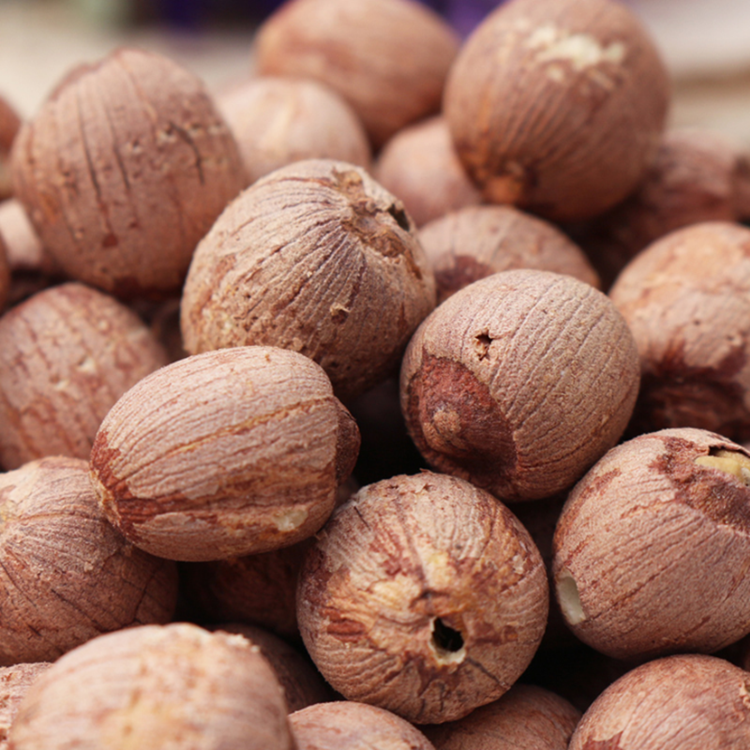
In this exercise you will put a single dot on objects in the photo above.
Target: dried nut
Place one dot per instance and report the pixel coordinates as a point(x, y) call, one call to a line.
point(477, 241)
point(302, 684)
point(9, 125)
point(558, 106)
point(66, 574)
point(24, 248)
point(277, 121)
point(423, 595)
point(420, 165)
point(66, 355)
point(123, 169)
point(222, 454)
point(652, 545)
point(152, 688)
point(686, 299)
point(318, 258)
point(687, 702)
point(387, 58)
point(348, 725)
point(525, 717)
point(519, 382)
point(15, 682)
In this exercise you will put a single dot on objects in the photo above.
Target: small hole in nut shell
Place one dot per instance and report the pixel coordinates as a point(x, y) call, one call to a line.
point(400, 216)
point(447, 642)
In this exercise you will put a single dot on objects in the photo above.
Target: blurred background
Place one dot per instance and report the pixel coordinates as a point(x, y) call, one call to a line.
point(705, 44)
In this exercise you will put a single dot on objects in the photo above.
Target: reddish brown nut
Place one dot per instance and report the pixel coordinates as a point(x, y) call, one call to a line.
point(9, 125)
point(66, 355)
point(422, 595)
point(222, 454)
point(558, 105)
point(519, 382)
point(420, 166)
point(348, 725)
point(176, 687)
point(67, 575)
point(277, 121)
point(686, 299)
point(687, 702)
point(387, 58)
point(123, 169)
point(302, 684)
point(15, 682)
point(316, 257)
point(525, 717)
point(651, 549)
point(477, 241)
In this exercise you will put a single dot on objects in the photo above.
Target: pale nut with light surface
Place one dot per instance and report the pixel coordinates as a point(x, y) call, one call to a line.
point(15, 682)
point(222, 454)
point(423, 595)
point(652, 544)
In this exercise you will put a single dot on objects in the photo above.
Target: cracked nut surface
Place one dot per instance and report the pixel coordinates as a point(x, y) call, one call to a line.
point(318, 258)
point(652, 547)
point(519, 382)
point(223, 454)
point(423, 595)
point(123, 169)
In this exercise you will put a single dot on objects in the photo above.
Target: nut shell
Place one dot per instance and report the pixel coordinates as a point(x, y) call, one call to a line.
point(422, 595)
point(223, 454)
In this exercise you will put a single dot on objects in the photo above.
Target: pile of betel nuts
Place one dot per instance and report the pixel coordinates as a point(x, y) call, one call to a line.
point(394, 397)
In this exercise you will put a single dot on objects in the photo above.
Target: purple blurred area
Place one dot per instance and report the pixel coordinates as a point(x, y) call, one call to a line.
point(463, 15)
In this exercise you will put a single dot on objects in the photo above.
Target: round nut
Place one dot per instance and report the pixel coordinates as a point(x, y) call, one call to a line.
point(66, 355)
point(66, 575)
point(222, 454)
point(558, 106)
point(387, 58)
point(423, 595)
point(123, 169)
point(519, 382)
point(318, 258)
point(651, 547)
point(176, 687)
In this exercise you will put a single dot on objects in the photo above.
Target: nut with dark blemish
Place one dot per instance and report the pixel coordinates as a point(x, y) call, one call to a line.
point(421, 167)
point(422, 595)
point(387, 58)
point(123, 169)
point(652, 549)
point(177, 687)
point(527, 717)
point(477, 241)
point(686, 702)
point(348, 725)
point(222, 454)
point(66, 575)
point(558, 106)
point(318, 258)
point(686, 299)
point(66, 355)
point(519, 382)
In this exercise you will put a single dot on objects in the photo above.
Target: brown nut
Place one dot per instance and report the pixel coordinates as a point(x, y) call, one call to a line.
point(687, 702)
point(519, 382)
point(686, 299)
point(348, 725)
point(67, 575)
point(527, 717)
point(223, 454)
point(387, 58)
point(558, 106)
point(277, 121)
point(651, 549)
point(318, 258)
point(420, 165)
point(423, 595)
point(477, 241)
point(123, 169)
point(15, 682)
point(176, 687)
point(66, 355)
